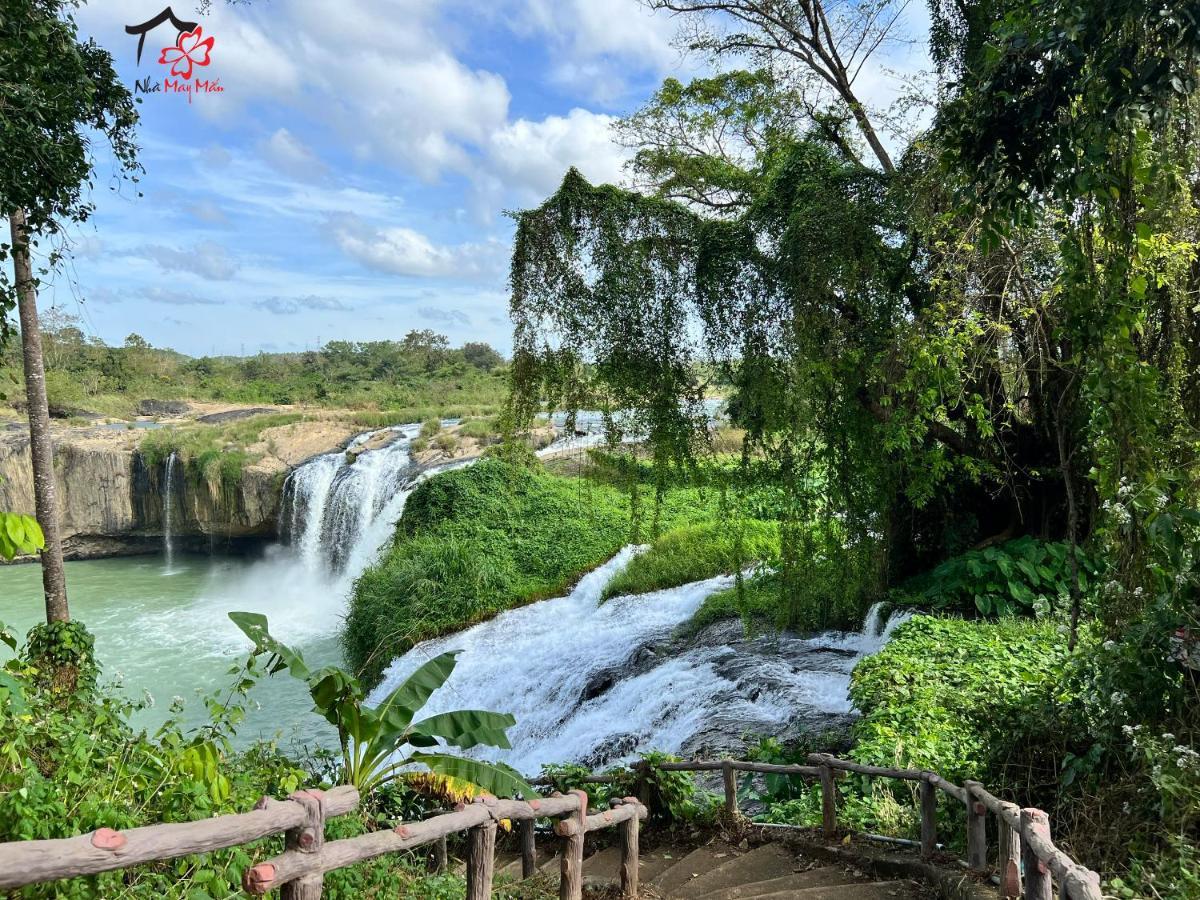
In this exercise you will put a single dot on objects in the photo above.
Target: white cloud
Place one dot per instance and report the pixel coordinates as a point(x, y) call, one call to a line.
point(289, 155)
point(159, 294)
point(597, 44)
point(289, 306)
point(443, 315)
point(404, 251)
point(534, 156)
point(207, 259)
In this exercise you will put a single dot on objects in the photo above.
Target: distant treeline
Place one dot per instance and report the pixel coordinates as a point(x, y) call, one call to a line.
point(84, 374)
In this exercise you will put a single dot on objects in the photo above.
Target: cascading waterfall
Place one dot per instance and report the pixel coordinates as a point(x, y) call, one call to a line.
point(169, 513)
point(341, 507)
point(596, 683)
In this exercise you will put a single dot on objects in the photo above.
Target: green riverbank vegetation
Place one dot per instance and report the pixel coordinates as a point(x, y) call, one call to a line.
point(407, 379)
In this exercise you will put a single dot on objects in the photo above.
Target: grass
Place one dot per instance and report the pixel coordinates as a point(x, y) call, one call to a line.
point(212, 455)
point(696, 552)
point(477, 541)
point(760, 605)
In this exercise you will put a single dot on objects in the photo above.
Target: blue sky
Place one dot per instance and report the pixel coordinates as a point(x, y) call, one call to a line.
point(350, 180)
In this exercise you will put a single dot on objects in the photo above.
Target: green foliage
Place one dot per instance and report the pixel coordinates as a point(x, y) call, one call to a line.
point(670, 796)
point(1021, 576)
point(372, 738)
point(62, 97)
point(62, 657)
point(388, 381)
point(951, 696)
point(477, 541)
point(19, 535)
point(696, 552)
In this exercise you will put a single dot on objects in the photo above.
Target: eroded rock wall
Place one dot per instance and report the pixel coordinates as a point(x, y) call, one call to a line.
point(111, 502)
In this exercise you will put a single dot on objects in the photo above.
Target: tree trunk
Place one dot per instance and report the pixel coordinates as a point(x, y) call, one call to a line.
point(41, 450)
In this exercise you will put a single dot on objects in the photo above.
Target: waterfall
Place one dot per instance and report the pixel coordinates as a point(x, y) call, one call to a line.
point(596, 683)
point(168, 512)
point(341, 507)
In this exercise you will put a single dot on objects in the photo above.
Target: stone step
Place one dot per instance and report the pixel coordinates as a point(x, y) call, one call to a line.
point(699, 862)
point(824, 877)
point(760, 864)
point(605, 864)
point(653, 863)
point(870, 890)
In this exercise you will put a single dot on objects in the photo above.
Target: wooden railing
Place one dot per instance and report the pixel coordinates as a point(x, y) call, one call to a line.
point(1025, 852)
point(300, 870)
point(1028, 863)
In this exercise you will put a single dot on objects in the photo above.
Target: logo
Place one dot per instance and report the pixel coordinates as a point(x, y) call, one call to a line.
point(191, 50)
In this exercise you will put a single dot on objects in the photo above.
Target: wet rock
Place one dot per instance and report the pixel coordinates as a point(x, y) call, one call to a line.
point(234, 415)
point(169, 408)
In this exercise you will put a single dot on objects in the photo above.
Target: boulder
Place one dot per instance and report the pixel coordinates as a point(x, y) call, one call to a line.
point(233, 415)
point(169, 408)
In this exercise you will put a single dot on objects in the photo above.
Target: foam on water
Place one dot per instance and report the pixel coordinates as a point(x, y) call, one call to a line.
point(585, 685)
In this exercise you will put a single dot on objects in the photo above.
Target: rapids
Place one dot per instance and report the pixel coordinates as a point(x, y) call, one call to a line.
point(596, 683)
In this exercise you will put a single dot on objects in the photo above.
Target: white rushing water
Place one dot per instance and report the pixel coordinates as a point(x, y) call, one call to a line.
point(339, 510)
point(168, 513)
point(596, 683)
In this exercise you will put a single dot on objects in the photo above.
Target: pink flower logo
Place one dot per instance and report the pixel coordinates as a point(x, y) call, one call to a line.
point(188, 51)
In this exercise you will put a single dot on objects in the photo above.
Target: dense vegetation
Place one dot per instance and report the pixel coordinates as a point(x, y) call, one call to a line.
point(413, 378)
point(477, 541)
point(70, 763)
point(964, 355)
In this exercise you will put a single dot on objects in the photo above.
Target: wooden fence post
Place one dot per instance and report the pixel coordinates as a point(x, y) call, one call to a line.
point(307, 838)
point(573, 830)
point(642, 782)
point(441, 855)
point(1038, 884)
point(976, 830)
point(1010, 856)
point(828, 801)
point(481, 860)
point(629, 855)
point(730, 779)
point(528, 849)
point(928, 817)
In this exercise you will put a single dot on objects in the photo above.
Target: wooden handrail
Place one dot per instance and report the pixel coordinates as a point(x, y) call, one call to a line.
point(299, 871)
point(1024, 835)
point(31, 862)
point(1022, 831)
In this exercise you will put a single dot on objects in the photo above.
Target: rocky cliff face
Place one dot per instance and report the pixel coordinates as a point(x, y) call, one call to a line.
point(112, 502)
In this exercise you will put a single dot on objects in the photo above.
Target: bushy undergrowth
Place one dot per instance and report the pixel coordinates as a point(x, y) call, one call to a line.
point(1022, 576)
point(695, 552)
point(948, 695)
point(477, 541)
point(71, 763)
point(212, 455)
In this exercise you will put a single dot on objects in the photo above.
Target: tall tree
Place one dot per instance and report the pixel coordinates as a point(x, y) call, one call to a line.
point(967, 338)
point(58, 94)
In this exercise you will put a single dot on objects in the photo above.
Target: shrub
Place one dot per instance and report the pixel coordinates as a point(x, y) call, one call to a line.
point(1021, 576)
point(68, 768)
point(430, 427)
point(695, 552)
point(949, 695)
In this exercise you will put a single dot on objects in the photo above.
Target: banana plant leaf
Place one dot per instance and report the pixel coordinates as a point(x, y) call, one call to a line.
point(254, 626)
point(465, 728)
point(495, 778)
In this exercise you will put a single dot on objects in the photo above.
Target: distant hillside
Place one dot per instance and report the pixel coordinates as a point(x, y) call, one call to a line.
point(419, 372)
